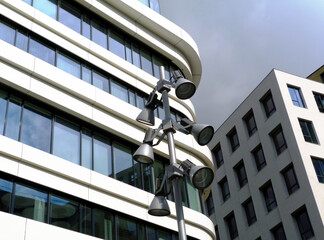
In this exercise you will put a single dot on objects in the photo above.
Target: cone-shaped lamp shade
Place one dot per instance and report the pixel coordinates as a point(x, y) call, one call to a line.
point(144, 154)
point(184, 88)
point(201, 176)
point(202, 133)
point(146, 116)
point(159, 207)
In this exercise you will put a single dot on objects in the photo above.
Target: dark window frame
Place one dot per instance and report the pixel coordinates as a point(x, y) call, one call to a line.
point(250, 123)
point(296, 96)
point(290, 178)
point(233, 139)
point(277, 135)
point(318, 164)
point(241, 175)
point(249, 211)
point(260, 163)
point(274, 231)
point(224, 187)
point(218, 155)
point(268, 104)
point(319, 99)
point(231, 225)
point(302, 219)
point(308, 131)
point(269, 196)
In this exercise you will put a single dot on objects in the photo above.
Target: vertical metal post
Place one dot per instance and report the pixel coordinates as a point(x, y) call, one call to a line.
point(172, 155)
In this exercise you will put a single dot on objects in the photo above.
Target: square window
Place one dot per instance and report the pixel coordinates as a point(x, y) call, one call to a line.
point(249, 211)
point(278, 232)
point(233, 138)
point(319, 168)
point(231, 224)
point(223, 184)
point(319, 98)
point(268, 104)
point(259, 158)
point(250, 123)
point(308, 131)
point(295, 95)
point(241, 173)
point(269, 196)
point(218, 155)
point(278, 139)
point(290, 178)
point(304, 224)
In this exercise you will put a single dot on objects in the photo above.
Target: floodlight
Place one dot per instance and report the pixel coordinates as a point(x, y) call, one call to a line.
point(201, 132)
point(144, 154)
point(159, 206)
point(184, 88)
point(146, 116)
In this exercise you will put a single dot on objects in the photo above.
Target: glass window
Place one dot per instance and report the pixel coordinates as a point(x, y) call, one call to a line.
point(40, 50)
point(154, 4)
point(278, 140)
point(116, 44)
point(241, 174)
point(100, 81)
point(193, 196)
point(136, 56)
point(102, 155)
point(27, 1)
point(30, 203)
point(13, 118)
point(140, 101)
point(86, 220)
point(296, 96)
point(146, 60)
point(150, 233)
point(7, 33)
point(22, 40)
point(86, 149)
point(319, 98)
point(157, 63)
point(278, 232)
point(86, 74)
point(233, 138)
point(36, 127)
point(249, 211)
point(65, 213)
point(259, 158)
point(304, 224)
point(290, 179)
point(269, 196)
point(319, 168)
point(123, 163)
point(138, 176)
point(66, 140)
point(99, 33)
point(3, 110)
point(103, 223)
point(128, 48)
point(5, 194)
point(70, 16)
point(250, 123)
point(68, 64)
point(126, 229)
point(268, 104)
point(210, 204)
point(223, 184)
point(49, 7)
point(147, 177)
point(86, 26)
point(119, 90)
point(131, 94)
point(164, 235)
point(231, 225)
point(308, 131)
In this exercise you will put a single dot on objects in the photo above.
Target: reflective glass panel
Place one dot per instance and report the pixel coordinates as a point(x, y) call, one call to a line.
point(66, 140)
point(147, 178)
point(154, 4)
point(163, 235)
point(136, 56)
point(3, 110)
point(86, 149)
point(150, 233)
point(86, 220)
point(22, 41)
point(36, 128)
point(86, 26)
point(157, 63)
point(137, 175)
point(131, 94)
point(118, 90)
point(99, 33)
point(116, 44)
point(64, 213)
point(193, 196)
point(30, 203)
point(49, 7)
point(86, 74)
point(28, 1)
point(126, 229)
point(128, 51)
point(140, 101)
point(100, 81)
point(70, 16)
point(5, 195)
point(146, 61)
point(68, 64)
point(102, 155)
point(103, 223)
point(13, 118)
point(7, 33)
point(40, 50)
point(123, 162)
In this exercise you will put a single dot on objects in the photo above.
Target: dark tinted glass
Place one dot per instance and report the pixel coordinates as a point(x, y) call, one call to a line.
point(7, 33)
point(304, 224)
point(68, 64)
point(116, 44)
point(259, 158)
point(103, 224)
point(319, 168)
point(146, 60)
point(269, 197)
point(13, 118)
point(102, 155)
point(249, 211)
point(86, 148)
point(241, 174)
point(99, 33)
point(100, 81)
point(123, 163)
point(126, 229)
point(40, 50)
point(268, 104)
point(279, 233)
point(290, 179)
point(279, 141)
point(3, 110)
point(70, 16)
point(22, 40)
point(5, 194)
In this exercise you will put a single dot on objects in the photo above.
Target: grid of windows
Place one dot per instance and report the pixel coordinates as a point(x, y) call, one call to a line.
point(233, 138)
point(268, 104)
point(250, 123)
point(73, 65)
point(249, 211)
point(290, 179)
point(319, 168)
point(295, 95)
point(218, 155)
point(308, 131)
point(50, 130)
point(269, 196)
point(102, 32)
point(259, 158)
point(223, 184)
point(231, 225)
point(278, 140)
point(304, 224)
point(46, 205)
point(278, 232)
point(319, 98)
point(241, 174)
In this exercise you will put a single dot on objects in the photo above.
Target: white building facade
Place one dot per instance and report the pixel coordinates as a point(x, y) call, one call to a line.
point(269, 163)
point(74, 75)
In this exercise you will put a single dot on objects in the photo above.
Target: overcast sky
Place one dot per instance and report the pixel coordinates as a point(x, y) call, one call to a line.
point(241, 41)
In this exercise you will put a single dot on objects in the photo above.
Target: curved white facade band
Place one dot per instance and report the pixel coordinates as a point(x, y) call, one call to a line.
point(74, 75)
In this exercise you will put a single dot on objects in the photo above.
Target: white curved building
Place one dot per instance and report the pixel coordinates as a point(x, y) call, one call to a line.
point(74, 75)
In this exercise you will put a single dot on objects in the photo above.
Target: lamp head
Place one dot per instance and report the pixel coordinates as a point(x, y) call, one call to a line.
point(146, 116)
point(144, 154)
point(202, 133)
point(184, 88)
point(159, 207)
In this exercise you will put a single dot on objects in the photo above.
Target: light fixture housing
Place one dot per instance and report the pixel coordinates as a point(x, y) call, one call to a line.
point(146, 116)
point(202, 133)
point(184, 89)
point(159, 206)
point(144, 154)
point(200, 176)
